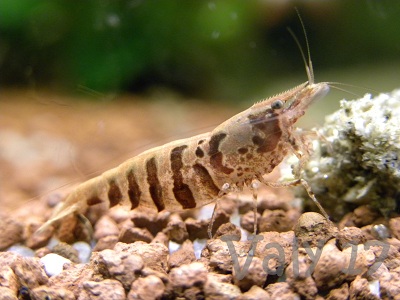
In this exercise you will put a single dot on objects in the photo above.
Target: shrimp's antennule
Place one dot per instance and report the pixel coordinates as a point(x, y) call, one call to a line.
point(307, 61)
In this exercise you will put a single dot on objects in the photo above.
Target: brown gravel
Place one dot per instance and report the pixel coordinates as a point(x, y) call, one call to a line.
point(295, 256)
point(341, 293)
point(105, 289)
point(255, 292)
point(185, 255)
point(394, 224)
point(149, 287)
point(8, 279)
point(350, 235)
point(313, 229)
point(14, 231)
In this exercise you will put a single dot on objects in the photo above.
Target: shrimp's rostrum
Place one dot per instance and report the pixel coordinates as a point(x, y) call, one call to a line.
point(192, 172)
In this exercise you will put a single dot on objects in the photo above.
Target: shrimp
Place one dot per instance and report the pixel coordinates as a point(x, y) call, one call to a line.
point(193, 172)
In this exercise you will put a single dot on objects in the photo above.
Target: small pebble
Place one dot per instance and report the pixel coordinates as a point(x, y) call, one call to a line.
point(235, 218)
point(161, 238)
point(374, 287)
point(188, 275)
point(11, 231)
point(134, 234)
point(84, 251)
point(247, 221)
point(67, 251)
point(176, 229)
point(380, 231)
point(107, 242)
point(53, 242)
point(206, 212)
point(54, 264)
point(150, 287)
point(197, 229)
point(275, 220)
point(21, 250)
point(172, 246)
point(198, 245)
point(312, 228)
point(7, 293)
point(350, 235)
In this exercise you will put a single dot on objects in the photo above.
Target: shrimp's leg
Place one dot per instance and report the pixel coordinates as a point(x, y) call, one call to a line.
point(86, 224)
point(294, 183)
point(224, 190)
point(254, 188)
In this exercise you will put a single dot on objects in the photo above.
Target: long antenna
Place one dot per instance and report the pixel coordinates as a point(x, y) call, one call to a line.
point(308, 64)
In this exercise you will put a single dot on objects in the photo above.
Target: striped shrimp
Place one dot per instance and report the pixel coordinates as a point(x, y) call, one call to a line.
point(193, 172)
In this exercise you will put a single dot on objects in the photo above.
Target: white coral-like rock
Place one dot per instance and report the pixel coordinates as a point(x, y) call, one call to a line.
point(357, 161)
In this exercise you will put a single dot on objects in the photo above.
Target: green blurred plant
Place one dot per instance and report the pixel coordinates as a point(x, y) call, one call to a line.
point(223, 48)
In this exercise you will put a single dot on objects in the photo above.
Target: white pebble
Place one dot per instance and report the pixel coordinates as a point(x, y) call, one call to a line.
point(84, 251)
point(198, 245)
point(206, 212)
point(173, 247)
point(244, 235)
point(53, 242)
point(374, 287)
point(22, 250)
point(235, 218)
point(54, 263)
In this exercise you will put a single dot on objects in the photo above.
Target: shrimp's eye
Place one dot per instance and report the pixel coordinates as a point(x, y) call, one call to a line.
point(278, 104)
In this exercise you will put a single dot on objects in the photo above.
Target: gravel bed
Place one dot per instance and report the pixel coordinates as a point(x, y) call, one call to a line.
point(145, 255)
